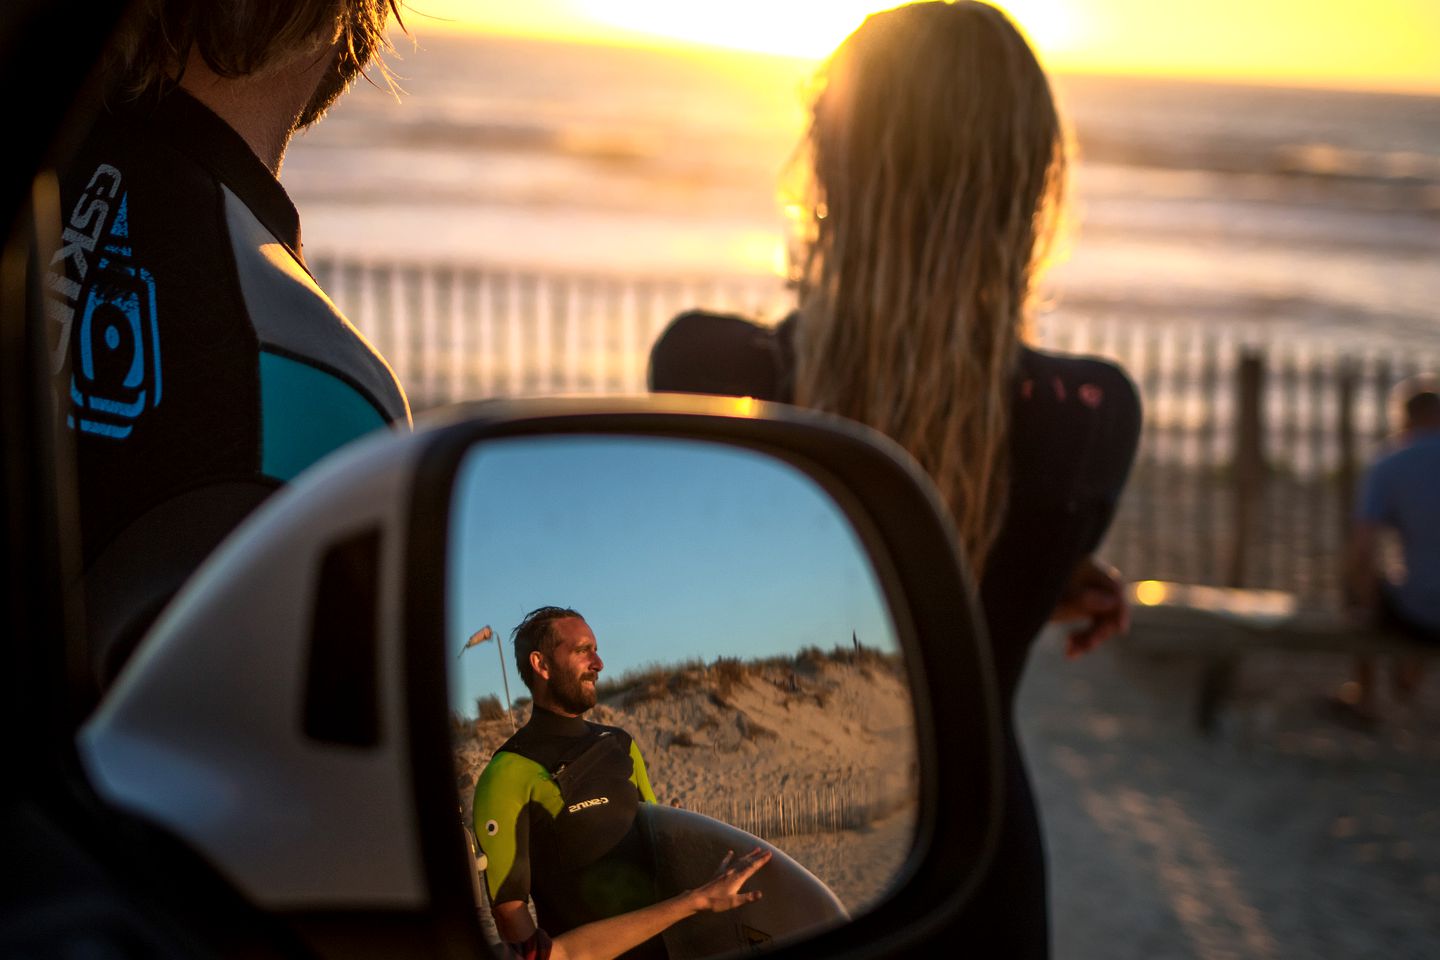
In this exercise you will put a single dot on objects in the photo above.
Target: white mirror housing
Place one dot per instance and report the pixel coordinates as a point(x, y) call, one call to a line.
point(318, 777)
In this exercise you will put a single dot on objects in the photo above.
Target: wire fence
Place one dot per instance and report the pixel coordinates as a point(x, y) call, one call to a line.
point(1248, 459)
point(818, 809)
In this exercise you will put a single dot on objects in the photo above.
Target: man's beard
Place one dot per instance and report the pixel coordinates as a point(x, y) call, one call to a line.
point(337, 79)
point(570, 693)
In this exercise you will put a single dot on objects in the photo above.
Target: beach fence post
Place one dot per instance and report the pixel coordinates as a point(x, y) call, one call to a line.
point(1249, 467)
point(1210, 538)
point(1381, 384)
point(1349, 377)
point(1248, 463)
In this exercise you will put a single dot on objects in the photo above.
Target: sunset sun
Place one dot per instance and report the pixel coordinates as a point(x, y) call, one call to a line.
point(1395, 45)
point(800, 30)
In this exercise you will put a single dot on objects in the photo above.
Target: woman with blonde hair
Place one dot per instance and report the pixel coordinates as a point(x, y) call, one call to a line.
point(935, 169)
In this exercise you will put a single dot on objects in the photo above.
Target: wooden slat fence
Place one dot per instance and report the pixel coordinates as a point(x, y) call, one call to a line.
point(1253, 485)
point(817, 809)
point(458, 332)
point(1251, 449)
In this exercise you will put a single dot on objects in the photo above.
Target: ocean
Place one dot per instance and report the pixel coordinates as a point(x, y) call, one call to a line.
point(1297, 212)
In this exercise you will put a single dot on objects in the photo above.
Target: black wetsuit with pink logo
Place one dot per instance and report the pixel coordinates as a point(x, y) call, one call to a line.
point(1074, 425)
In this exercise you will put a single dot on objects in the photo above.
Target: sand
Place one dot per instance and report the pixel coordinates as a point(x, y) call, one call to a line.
point(846, 859)
point(1287, 835)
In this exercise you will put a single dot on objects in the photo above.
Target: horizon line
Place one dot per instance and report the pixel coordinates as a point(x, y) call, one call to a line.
point(633, 40)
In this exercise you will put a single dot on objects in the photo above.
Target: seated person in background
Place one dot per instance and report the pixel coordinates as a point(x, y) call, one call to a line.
point(555, 808)
point(1401, 495)
point(936, 167)
point(604, 939)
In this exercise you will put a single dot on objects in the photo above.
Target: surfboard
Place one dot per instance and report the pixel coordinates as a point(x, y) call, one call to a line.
point(688, 846)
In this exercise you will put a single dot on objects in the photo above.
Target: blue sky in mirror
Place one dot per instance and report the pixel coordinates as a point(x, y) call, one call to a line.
point(672, 549)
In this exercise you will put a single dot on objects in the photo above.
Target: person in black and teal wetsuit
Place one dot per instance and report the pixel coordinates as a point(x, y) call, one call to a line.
point(555, 808)
point(198, 366)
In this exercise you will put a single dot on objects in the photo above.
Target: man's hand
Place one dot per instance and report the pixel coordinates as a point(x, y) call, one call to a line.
point(608, 938)
point(1094, 594)
point(723, 891)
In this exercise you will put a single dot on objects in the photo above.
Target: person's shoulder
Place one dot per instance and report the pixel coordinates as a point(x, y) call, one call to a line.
point(1422, 453)
point(122, 182)
point(1093, 382)
point(506, 766)
point(118, 151)
point(1082, 413)
point(598, 730)
point(1067, 391)
point(708, 325)
point(522, 742)
point(1428, 445)
point(721, 353)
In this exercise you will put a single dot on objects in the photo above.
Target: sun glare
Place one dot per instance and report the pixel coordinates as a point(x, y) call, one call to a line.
point(1051, 25)
point(1395, 44)
point(809, 30)
point(793, 29)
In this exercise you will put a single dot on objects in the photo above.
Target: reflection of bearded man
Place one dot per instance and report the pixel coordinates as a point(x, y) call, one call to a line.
point(556, 808)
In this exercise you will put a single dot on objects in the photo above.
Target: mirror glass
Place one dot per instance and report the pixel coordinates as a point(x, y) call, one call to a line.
point(732, 628)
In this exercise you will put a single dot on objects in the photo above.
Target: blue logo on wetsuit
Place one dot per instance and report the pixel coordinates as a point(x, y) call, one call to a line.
point(115, 372)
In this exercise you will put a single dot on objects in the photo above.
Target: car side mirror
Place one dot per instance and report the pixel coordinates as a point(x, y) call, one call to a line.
point(312, 711)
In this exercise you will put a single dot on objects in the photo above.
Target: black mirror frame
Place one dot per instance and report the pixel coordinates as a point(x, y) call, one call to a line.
point(900, 520)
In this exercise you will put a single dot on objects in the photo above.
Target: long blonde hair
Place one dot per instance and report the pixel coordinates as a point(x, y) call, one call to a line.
point(936, 166)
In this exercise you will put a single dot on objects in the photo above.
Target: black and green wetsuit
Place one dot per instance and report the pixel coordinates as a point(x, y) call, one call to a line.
point(555, 815)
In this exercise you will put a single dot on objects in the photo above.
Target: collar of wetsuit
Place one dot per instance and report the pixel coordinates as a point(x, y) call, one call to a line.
point(190, 127)
point(553, 724)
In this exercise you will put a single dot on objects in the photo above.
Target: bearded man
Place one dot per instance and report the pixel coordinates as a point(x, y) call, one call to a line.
point(198, 365)
point(555, 808)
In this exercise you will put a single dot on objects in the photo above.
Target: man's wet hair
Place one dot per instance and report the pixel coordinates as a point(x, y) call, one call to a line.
point(537, 632)
point(238, 38)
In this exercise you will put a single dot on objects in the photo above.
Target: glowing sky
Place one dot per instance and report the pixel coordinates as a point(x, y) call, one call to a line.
point(1392, 44)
